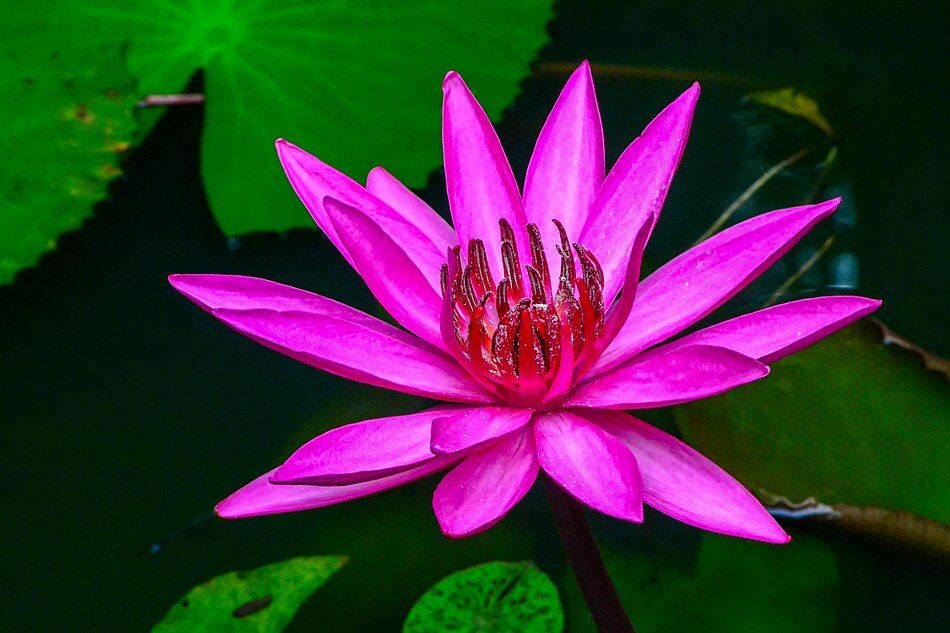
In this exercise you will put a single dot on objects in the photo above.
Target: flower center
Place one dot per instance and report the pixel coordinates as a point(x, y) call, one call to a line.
point(523, 338)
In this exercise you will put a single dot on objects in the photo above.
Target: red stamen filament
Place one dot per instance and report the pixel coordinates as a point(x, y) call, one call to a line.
point(510, 335)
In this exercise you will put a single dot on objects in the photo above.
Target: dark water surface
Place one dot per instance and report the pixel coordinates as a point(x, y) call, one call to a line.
point(127, 412)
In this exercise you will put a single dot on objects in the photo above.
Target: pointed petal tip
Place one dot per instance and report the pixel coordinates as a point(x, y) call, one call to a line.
point(765, 533)
point(287, 151)
point(452, 79)
point(376, 172)
point(224, 510)
point(782, 539)
point(690, 96)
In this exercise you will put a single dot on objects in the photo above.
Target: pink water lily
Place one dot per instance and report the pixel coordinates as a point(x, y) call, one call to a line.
point(529, 318)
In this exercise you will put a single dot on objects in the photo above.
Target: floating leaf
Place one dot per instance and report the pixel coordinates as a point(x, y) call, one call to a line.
point(263, 600)
point(356, 83)
point(734, 586)
point(791, 101)
point(66, 119)
point(497, 597)
point(851, 420)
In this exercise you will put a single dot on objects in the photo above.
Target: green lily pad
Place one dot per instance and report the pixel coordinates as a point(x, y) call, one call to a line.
point(66, 120)
point(497, 597)
point(356, 83)
point(852, 420)
point(263, 600)
point(734, 586)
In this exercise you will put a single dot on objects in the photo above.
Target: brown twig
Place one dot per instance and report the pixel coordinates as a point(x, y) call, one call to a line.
point(160, 101)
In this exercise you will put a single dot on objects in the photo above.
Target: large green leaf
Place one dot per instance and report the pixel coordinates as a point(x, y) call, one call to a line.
point(263, 600)
point(356, 82)
point(64, 120)
point(734, 586)
point(851, 420)
point(499, 597)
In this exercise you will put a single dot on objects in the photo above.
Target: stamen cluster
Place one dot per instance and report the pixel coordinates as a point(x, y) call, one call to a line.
point(522, 338)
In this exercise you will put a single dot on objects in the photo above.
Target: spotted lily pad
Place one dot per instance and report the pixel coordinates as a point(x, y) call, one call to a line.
point(498, 597)
point(67, 118)
point(263, 600)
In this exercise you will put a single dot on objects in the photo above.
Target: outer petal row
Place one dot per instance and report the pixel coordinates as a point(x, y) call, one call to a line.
point(260, 497)
point(610, 461)
point(680, 482)
point(668, 376)
point(776, 332)
point(330, 336)
point(703, 278)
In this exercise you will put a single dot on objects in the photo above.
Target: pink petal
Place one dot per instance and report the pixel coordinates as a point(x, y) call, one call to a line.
point(620, 311)
point(387, 188)
point(634, 191)
point(680, 482)
point(567, 167)
point(312, 329)
point(392, 275)
point(260, 497)
point(776, 332)
point(664, 377)
point(481, 490)
point(462, 429)
point(590, 464)
point(703, 278)
point(380, 355)
point(363, 451)
point(481, 187)
point(314, 180)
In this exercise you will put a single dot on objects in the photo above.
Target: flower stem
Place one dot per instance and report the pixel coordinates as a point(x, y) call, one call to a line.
point(589, 569)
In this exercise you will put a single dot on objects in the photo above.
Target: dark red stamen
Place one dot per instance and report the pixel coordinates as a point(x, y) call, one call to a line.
point(512, 336)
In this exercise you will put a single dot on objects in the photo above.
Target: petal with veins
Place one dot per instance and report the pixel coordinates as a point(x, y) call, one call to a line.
point(636, 187)
point(481, 188)
point(460, 429)
point(260, 497)
point(664, 377)
point(680, 482)
point(393, 277)
point(776, 332)
point(313, 180)
point(481, 490)
point(387, 188)
point(567, 167)
point(363, 451)
point(594, 467)
point(703, 278)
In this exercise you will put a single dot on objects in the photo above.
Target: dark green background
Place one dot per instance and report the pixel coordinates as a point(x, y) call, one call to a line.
point(127, 412)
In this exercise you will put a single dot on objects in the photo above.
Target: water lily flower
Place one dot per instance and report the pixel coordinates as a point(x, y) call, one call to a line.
point(530, 321)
